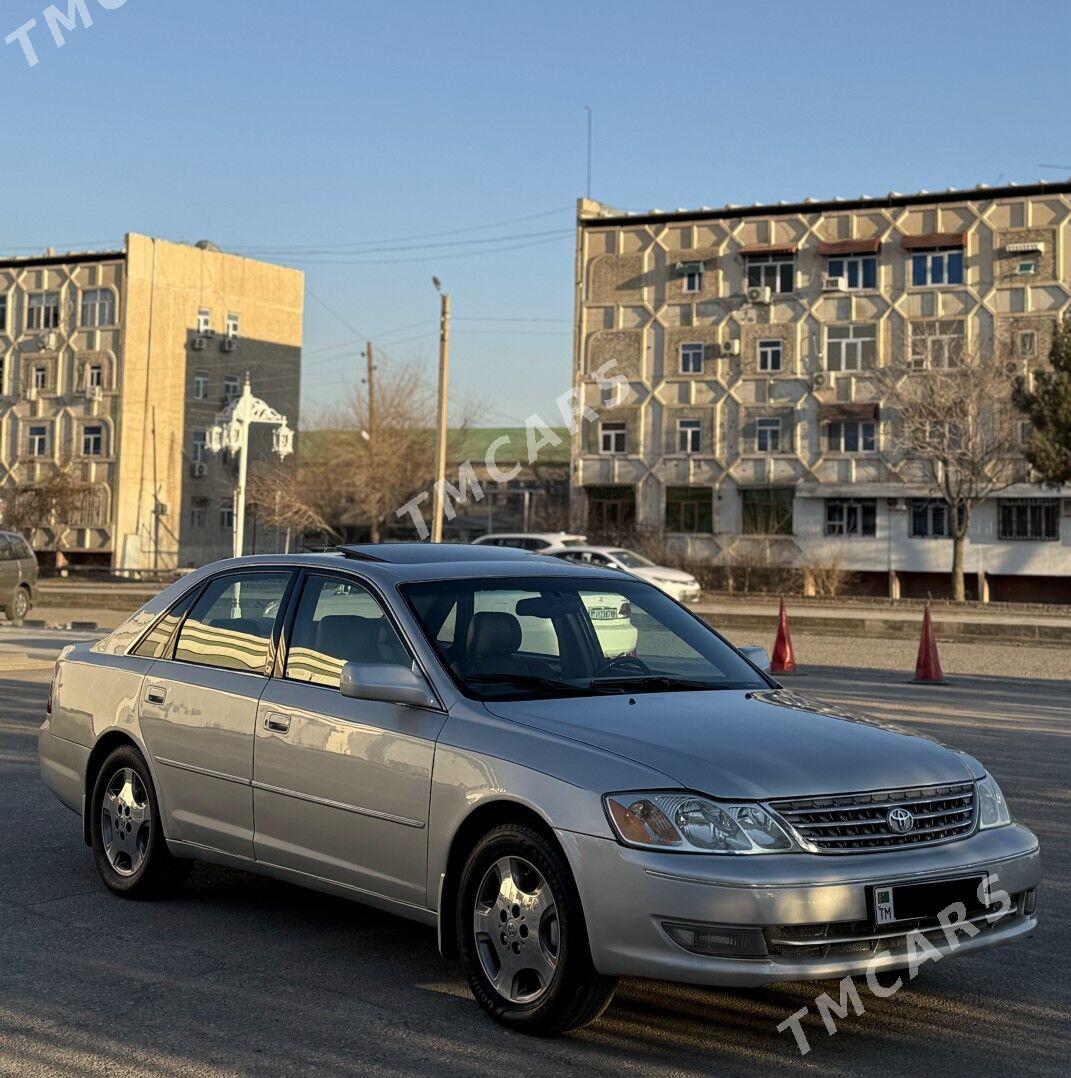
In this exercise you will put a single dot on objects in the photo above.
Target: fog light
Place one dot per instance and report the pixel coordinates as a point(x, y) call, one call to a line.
point(1030, 901)
point(721, 941)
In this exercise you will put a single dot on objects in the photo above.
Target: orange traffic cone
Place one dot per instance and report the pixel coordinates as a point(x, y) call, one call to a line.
point(784, 658)
point(928, 665)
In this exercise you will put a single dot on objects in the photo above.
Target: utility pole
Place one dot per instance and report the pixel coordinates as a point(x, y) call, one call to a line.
point(440, 452)
point(369, 355)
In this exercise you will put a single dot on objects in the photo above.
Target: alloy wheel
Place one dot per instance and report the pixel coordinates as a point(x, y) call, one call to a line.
point(517, 932)
point(125, 821)
point(20, 605)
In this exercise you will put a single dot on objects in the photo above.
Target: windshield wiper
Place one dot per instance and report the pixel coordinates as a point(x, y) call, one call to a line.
point(653, 682)
point(532, 681)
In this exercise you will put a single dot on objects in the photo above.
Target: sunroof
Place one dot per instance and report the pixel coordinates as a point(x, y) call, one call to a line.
point(430, 553)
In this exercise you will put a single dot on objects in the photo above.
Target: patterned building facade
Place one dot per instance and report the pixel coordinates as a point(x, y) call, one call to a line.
point(112, 366)
point(754, 428)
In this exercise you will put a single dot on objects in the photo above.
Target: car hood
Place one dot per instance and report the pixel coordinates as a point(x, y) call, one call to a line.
point(650, 572)
point(747, 744)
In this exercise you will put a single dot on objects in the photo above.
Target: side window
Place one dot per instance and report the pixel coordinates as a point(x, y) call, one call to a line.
point(154, 645)
point(231, 624)
point(7, 548)
point(338, 622)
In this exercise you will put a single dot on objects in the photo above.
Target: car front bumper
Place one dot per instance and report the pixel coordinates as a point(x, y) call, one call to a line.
point(813, 909)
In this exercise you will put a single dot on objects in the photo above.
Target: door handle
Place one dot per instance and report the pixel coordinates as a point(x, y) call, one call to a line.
point(156, 694)
point(279, 723)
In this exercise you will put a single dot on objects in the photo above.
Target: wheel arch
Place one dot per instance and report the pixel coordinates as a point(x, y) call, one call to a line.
point(106, 744)
point(483, 818)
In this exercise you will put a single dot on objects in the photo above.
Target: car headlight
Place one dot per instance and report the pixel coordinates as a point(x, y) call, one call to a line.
point(992, 808)
point(688, 823)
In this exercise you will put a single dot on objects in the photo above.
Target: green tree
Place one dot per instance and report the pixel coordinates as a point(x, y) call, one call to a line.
point(1048, 408)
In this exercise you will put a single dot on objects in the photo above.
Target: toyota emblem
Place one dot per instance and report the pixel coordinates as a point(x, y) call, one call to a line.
point(900, 820)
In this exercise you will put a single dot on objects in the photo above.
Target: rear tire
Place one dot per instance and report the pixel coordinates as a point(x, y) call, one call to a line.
point(126, 830)
point(522, 936)
point(18, 606)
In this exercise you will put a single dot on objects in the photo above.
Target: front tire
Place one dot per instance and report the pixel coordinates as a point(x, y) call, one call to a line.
point(126, 830)
point(19, 606)
point(522, 936)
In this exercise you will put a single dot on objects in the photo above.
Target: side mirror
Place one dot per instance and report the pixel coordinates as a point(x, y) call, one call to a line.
point(387, 682)
point(758, 656)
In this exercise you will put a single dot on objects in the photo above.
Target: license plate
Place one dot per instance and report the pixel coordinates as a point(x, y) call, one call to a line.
point(603, 613)
point(893, 902)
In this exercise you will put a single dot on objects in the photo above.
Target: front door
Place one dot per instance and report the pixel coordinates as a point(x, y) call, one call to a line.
point(199, 709)
point(341, 786)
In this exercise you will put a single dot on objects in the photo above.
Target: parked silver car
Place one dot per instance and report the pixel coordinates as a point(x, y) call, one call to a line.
point(373, 724)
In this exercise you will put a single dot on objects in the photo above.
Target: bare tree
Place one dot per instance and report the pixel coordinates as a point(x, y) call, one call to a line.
point(56, 502)
point(348, 475)
point(955, 427)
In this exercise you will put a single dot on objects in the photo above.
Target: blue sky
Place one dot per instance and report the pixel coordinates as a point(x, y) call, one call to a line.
point(290, 126)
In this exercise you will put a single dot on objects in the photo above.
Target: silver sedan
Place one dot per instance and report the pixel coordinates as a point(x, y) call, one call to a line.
point(441, 731)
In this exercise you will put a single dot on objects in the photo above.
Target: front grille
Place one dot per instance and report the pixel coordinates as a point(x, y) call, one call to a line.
point(846, 938)
point(846, 823)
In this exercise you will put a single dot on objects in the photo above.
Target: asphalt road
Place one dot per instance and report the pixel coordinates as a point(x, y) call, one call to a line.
point(239, 975)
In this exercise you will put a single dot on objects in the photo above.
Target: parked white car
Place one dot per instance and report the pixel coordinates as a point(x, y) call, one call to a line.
point(536, 542)
point(677, 583)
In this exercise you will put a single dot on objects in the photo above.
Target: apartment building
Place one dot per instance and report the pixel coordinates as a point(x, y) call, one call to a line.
point(113, 364)
point(754, 429)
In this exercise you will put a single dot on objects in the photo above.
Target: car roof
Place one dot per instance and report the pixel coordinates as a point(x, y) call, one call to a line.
point(594, 549)
point(524, 535)
point(401, 562)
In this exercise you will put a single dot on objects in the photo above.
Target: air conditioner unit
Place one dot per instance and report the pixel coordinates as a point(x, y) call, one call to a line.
point(230, 344)
point(818, 380)
point(47, 342)
point(199, 469)
point(759, 294)
point(199, 344)
point(834, 284)
point(94, 393)
point(731, 348)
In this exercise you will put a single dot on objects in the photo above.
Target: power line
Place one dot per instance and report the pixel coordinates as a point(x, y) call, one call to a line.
point(318, 261)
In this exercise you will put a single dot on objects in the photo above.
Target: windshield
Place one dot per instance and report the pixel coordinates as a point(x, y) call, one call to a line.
point(538, 637)
point(631, 560)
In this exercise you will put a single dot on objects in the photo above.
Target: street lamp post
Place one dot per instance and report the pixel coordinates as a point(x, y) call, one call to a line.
point(440, 448)
point(231, 432)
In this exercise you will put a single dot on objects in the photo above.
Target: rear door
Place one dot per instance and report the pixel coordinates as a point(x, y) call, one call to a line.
point(341, 786)
point(9, 567)
point(199, 707)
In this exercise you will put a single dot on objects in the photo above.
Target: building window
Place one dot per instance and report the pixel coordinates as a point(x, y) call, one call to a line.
point(204, 321)
point(689, 435)
point(689, 509)
point(226, 513)
point(770, 355)
point(199, 447)
point(851, 436)
point(776, 272)
point(1027, 267)
point(200, 386)
point(3, 313)
point(936, 344)
point(98, 307)
point(232, 324)
point(198, 512)
point(846, 516)
point(936, 267)
point(929, 519)
point(95, 376)
point(612, 437)
point(1029, 519)
point(767, 510)
point(768, 435)
point(42, 310)
point(40, 377)
point(92, 441)
point(232, 387)
point(693, 278)
point(691, 358)
point(3, 371)
point(38, 441)
point(858, 271)
point(852, 348)
point(1028, 344)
